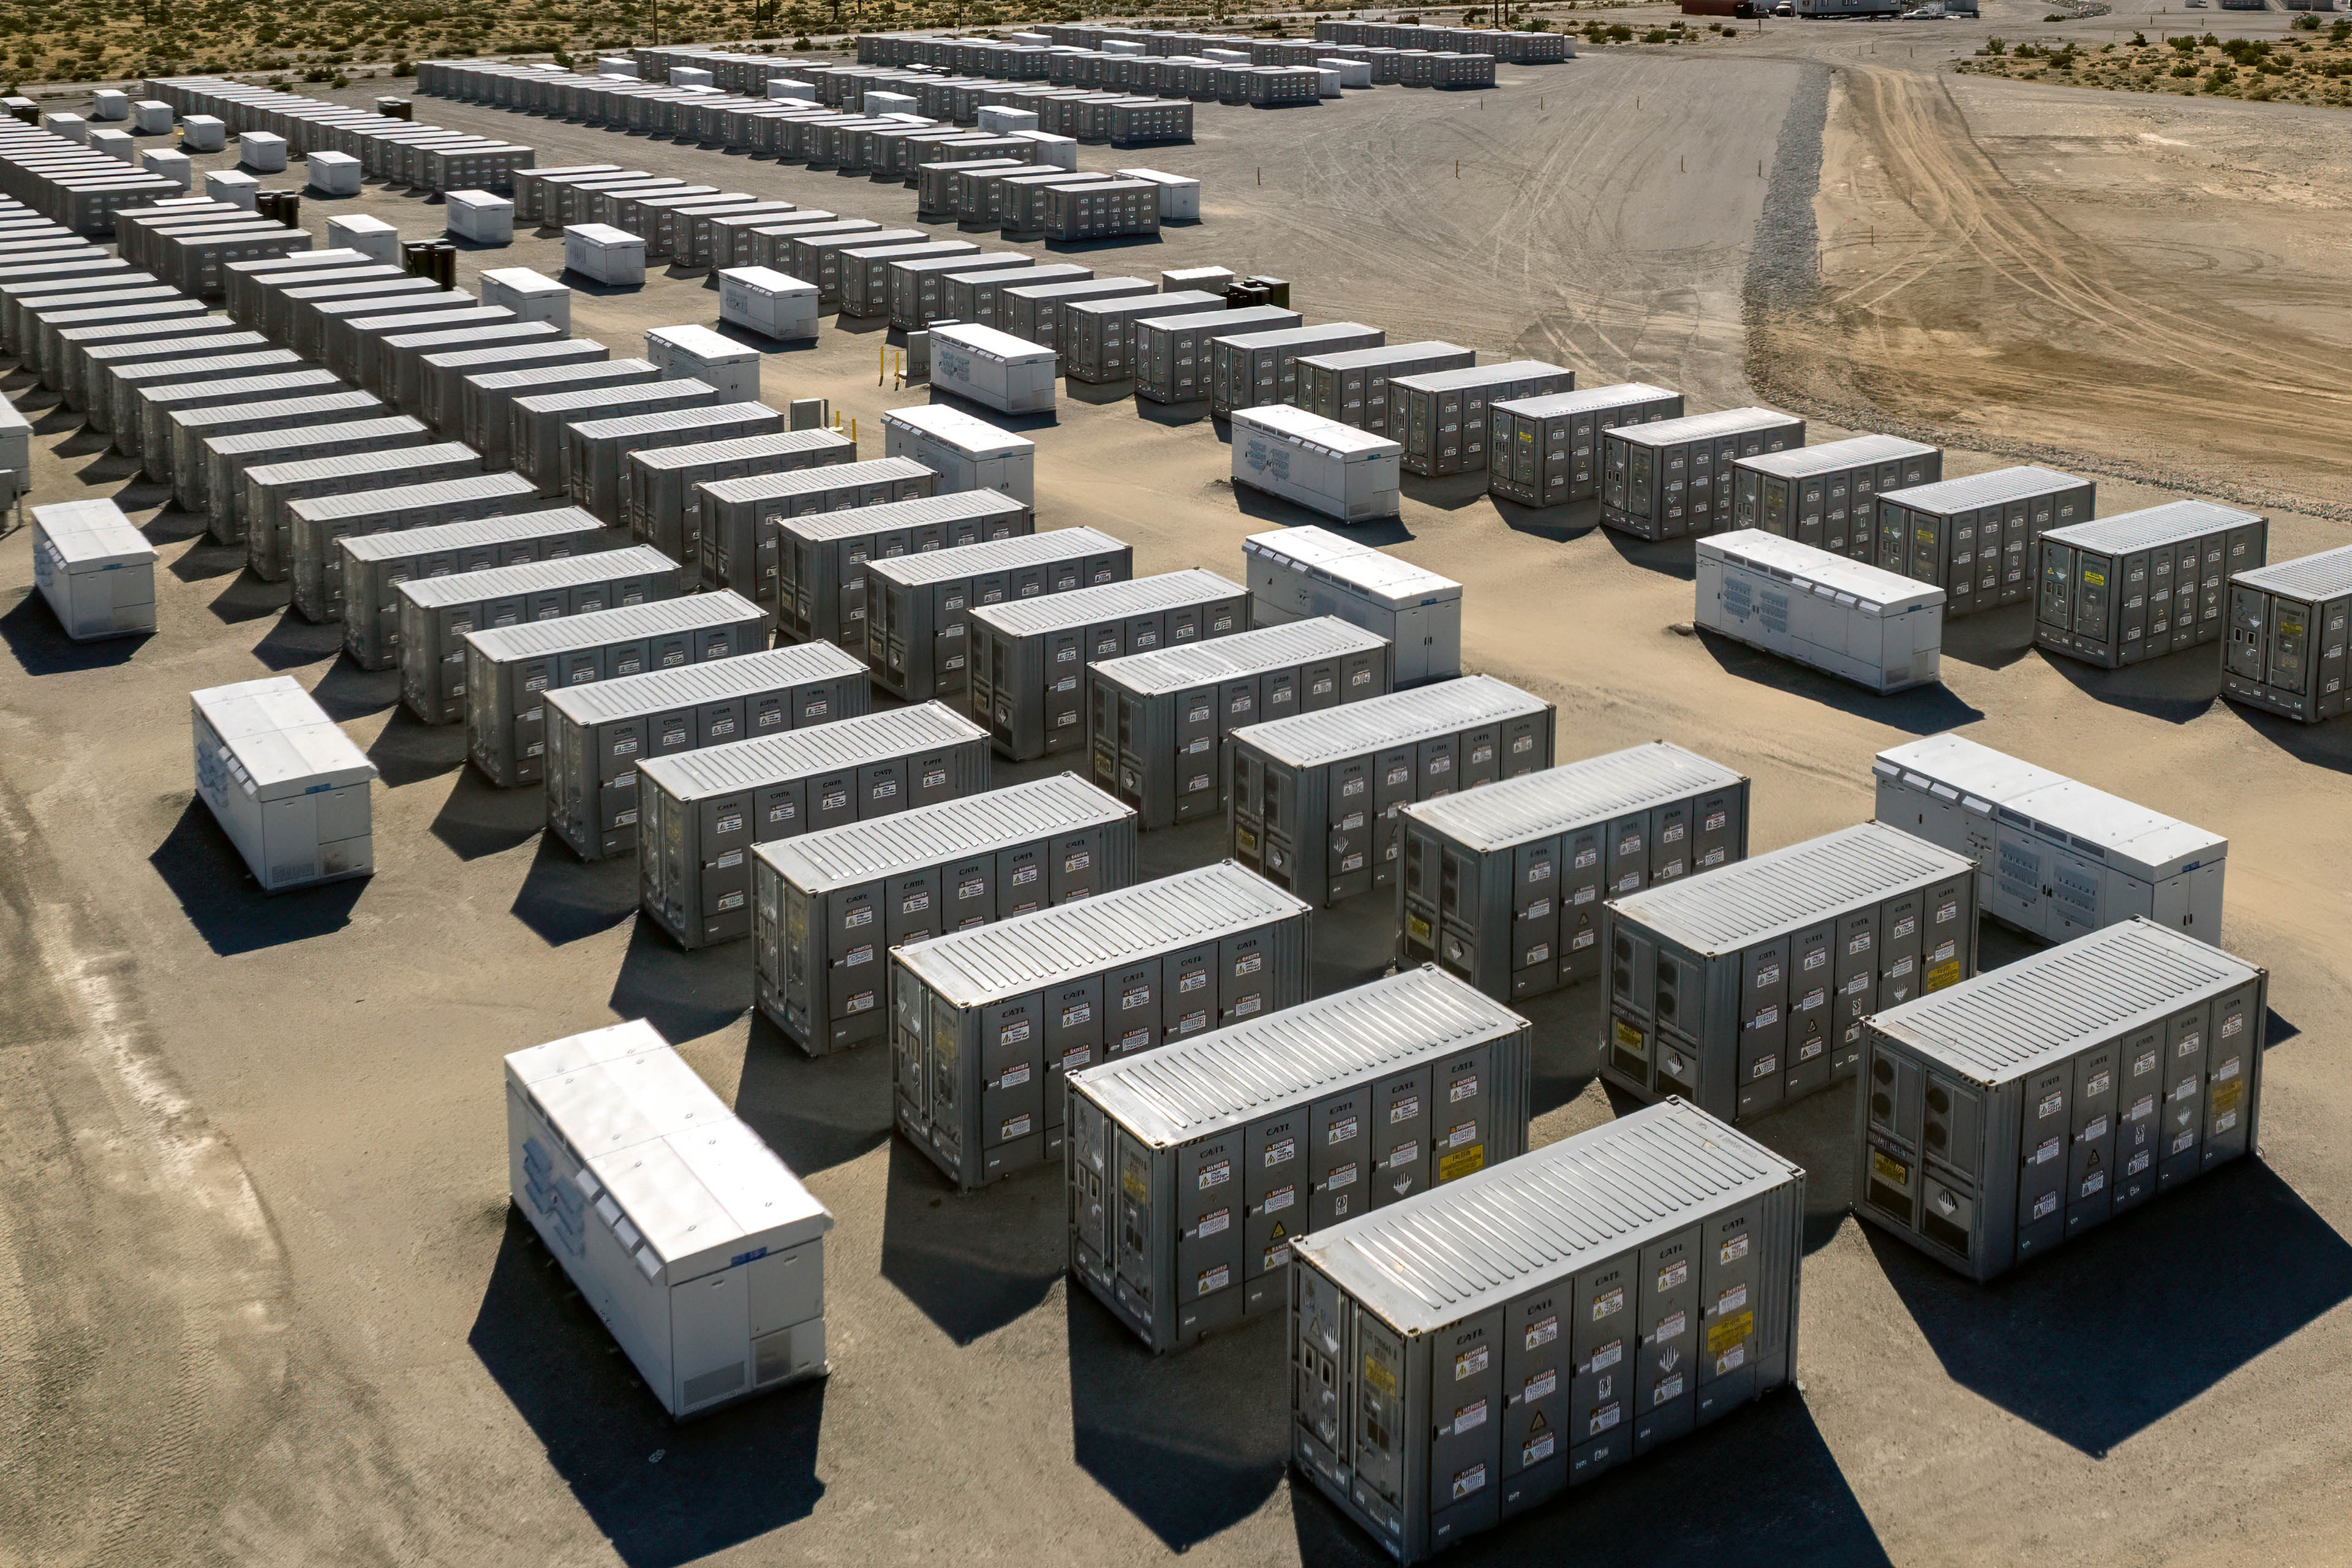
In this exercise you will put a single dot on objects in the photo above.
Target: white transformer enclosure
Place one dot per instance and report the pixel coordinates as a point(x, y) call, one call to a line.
point(532, 295)
point(604, 254)
point(1320, 463)
point(772, 303)
point(1872, 627)
point(286, 784)
point(96, 570)
point(967, 453)
point(1298, 574)
point(995, 369)
point(701, 1252)
point(697, 353)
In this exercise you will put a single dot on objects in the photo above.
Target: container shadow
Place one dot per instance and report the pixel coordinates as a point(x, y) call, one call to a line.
point(1667, 557)
point(40, 645)
point(224, 903)
point(580, 283)
point(737, 332)
point(815, 1112)
point(408, 751)
point(971, 1262)
point(1194, 411)
point(1380, 530)
point(1190, 1443)
point(347, 691)
point(1921, 710)
point(2108, 1335)
point(248, 598)
point(1792, 1507)
point(1016, 423)
point(1096, 394)
point(205, 560)
point(2276, 1031)
point(1571, 520)
point(170, 525)
point(684, 994)
point(2174, 689)
point(1990, 640)
point(563, 897)
point(861, 325)
point(1111, 242)
point(714, 1482)
point(294, 641)
point(479, 818)
point(2323, 745)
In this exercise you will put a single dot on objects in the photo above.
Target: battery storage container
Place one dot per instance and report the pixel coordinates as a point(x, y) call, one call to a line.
point(1746, 988)
point(159, 404)
point(764, 301)
point(2055, 857)
point(1503, 886)
point(1159, 723)
point(374, 566)
point(315, 524)
point(596, 451)
point(1977, 538)
point(753, 530)
point(1545, 451)
point(701, 1252)
point(968, 454)
point(974, 296)
point(694, 353)
point(1028, 660)
point(285, 784)
point(1673, 478)
point(508, 669)
point(1097, 328)
point(1876, 628)
point(994, 369)
point(702, 811)
point(660, 484)
point(1174, 355)
point(267, 488)
point(407, 356)
point(1191, 1170)
point(597, 734)
point(1032, 312)
point(1314, 800)
point(2141, 585)
point(95, 568)
point(140, 392)
point(1259, 370)
point(2287, 649)
point(211, 450)
point(1298, 573)
point(919, 605)
point(537, 443)
point(1827, 496)
point(1343, 473)
point(490, 396)
point(829, 906)
point(1434, 1389)
point(1440, 416)
point(436, 613)
point(1352, 385)
point(919, 292)
point(985, 1021)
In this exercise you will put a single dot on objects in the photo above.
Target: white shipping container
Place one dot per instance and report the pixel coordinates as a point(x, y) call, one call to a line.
point(770, 303)
point(994, 368)
point(109, 104)
point(151, 117)
point(1180, 202)
point(968, 454)
point(231, 185)
point(784, 87)
point(1062, 152)
point(116, 145)
point(532, 295)
point(371, 237)
point(263, 151)
point(878, 102)
point(688, 76)
point(1004, 120)
point(1857, 622)
point(480, 217)
point(15, 453)
point(284, 782)
point(71, 127)
point(169, 163)
point(334, 174)
point(1299, 573)
point(1317, 463)
point(604, 254)
point(198, 133)
point(1352, 73)
point(96, 570)
point(698, 353)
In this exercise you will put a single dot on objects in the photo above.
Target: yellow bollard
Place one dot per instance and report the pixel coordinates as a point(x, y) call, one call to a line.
point(881, 363)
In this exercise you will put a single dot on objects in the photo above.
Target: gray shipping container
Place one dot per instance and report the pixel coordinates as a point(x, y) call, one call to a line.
point(1545, 451)
point(508, 667)
point(658, 484)
point(776, 540)
point(408, 355)
point(1029, 661)
point(829, 906)
point(1032, 312)
point(91, 388)
point(157, 405)
point(1260, 368)
point(210, 443)
point(702, 811)
point(596, 451)
point(51, 335)
point(865, 270)
point(388, 359)
point(982, 1021)
point(1315, 800)
point(974, 296)
point(218, 358)
point(536, 442)
point(268, 487)
point(1435, 1388)
point(1673, 478)
point(2286, 647)
point(1352, 385)
point(597, 734)
point(2023, 1107)
point(1826, 496)
point(918, 291)
point(1191, 1170)
point(919, 606)
point(271, 304)
point(300, 315)
point(1173, 355)
point(1159, 723)
point(820, 255)
point(348, 330)
point(1440, 416)
point(1977, 538)
point(436, 613)
point(315, 524)
point(1096, 332)
point(1503, 886)
point(1746, 988)
point(2141, 585)
point(374, 566)
point(442, 376)
point(490, 396)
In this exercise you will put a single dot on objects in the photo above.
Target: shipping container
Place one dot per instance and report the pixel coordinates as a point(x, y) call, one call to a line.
point(1435, 1390)
point(596, 451)
point(89, 384)
point(1545, 451)
point(1875, 628)
point(374, 565)
point(606, 254)
point(830, 905)
point(812, 254)
point(212, 447)
point(409, 358)
point(285, 784)
point(918, 290)
point(315, 524)
point(698, 353)
point(994, 369)
point(1334, 469)
point(702, 811)
point(2055, 857)
point(1826, 496)
point(763, 300)
point(2287, 649)
point(1315, 800)
point(2141, 585)
point(1174, 355)
point(488, 396)
point(296, 315)
point(537, 444)
point(863, 271)
point(598, 733)
point(1503, 886)
point(660, 484)
point(1351, 386)
point(436, 613)
point(753, 544)
point(1260, 370)
point(967, 453)
point(1159, 723)
point(1364, 1099)
point(1977, 538)
point(1673, 478)
point(1296, 573)
point(508, 667)
point(94, 567)
point(694, 1244)
point(267, 488)
point(115, 391)
point(918, 604)
point(1095, 329)
point(1440, 416)
point(983, 1022)
point(1028, 660)
point(977, 296)
point(157, 405)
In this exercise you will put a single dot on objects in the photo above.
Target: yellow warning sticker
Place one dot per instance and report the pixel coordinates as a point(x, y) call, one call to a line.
point(1945, 974)
point(1629, 1038)
point(1729, 1332)
point(1246, 841)
point(1378, 1374)
point(2227, 1095)
point(1893, 1169)
point(1416, 928)
point(1137, 1188)
point(1463, 1161)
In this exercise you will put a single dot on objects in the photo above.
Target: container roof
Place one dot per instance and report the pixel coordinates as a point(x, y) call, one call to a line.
point(961, 560)
point(1574, 794)
point(796, 753)
point(598, 627)
point(1992, 488)
point(1376, 723)
point(663, 690)
point(1082, 606)
point(859, 852)
point(2154, 525)
point(1786, 891)
point(1872, 589)
point(1241, 653)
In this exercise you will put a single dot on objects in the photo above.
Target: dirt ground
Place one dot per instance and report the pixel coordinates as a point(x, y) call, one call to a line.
point(261, 1300)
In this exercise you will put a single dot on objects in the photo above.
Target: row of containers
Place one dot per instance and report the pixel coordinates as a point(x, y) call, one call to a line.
point(1171, 63)
point(1219, 75)
point(397, 150)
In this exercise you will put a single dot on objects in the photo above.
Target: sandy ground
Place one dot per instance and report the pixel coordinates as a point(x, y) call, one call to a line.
point(260, 1296)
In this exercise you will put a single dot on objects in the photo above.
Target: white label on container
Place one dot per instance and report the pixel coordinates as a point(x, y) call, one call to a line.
point(862, 915)
point(1607, 1355)
point(1404, 1109)
point(1342, 1128)
point(1902, 928)
point(1733, 1249)
point(1668, 1387)
point(1460, 1133)
point(2226, 1071)
point(1470, 1416)
point(1405, 1153)
point(2185, 1141)
point(1216, 1173)
point(1544, 1332)
point(2045, 1205)
point(1280, 1151)
point(1673, 1274)
point(1341, 1176)
point(1017, 1128)
point(1470, 1362)
point(1603, 1419)
point(1279, 1199)
point(1470, 1481)
point(1671, 1327)
point(1610, 1300)
point(2051, 1103)
point(2046, 1151)
point(1731, 1301)
point(1214, 1278)
point(1732, 1360)
point(1015, 1077)
point(2189, 1044)
point(1540, 1384)
point(1014, 1034)
point(1073, 1016)
point(1216, 1224)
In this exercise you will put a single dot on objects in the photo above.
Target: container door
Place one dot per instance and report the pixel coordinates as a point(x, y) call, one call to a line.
point(935, 775)
point(2290, 635)
point(1902, 941)
point(2139, 1116)
point(720, 723)
point(912, 907)
point(1856, 994)
point(2021, 522)
point(1732, 1276)
point(1284, 690)
point(1209, 1225)
point(1132, 996)
point(1011, 1092)
point(1074, 1041)
point(968, 887)
point(2041, 1143)
point(1020, 879)
point(1603, 1347)
point(1812, 1022)
point(1763, 1027)
point(1274, 1179)
point(1665, 1383)
point(1339, 1152)
point(2133, 597)
point(2248, 647)
point(2230, 1067)
point(1535, 916)
point(782, 808)
point(1537, 1372)
point(1395, 773)
point(726, 854)
point(2091, 1140)
point(2186, 1036)
point(1465, 1405)
point(1437, 767)
point(1356, 828)
point(882, 788)
point(1400, 1154)
point(832, 799)
point(2057, 586)
point(1628, 843)
point(1237, 704)
point(1481, 758)
point(1189, 992)
point(1073, 866)
point(1948, 950)
point(1247, 980)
